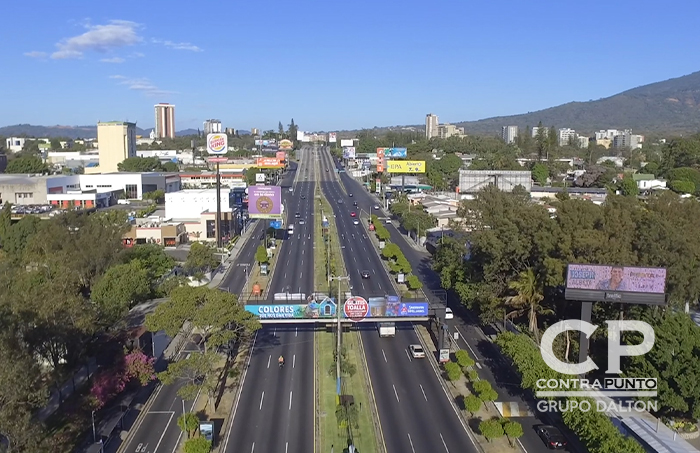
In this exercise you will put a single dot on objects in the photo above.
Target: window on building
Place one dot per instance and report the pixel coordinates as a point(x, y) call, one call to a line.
point(211, 229)
point(131, 190)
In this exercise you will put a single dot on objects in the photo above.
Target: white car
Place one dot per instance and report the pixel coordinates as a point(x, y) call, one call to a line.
point(417, 351)
point(449, 314)
point(355, 222)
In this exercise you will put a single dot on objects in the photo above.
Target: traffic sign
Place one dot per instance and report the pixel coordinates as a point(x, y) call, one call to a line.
point(356, 308)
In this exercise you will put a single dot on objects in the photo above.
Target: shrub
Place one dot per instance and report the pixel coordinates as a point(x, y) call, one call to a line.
point(481, 386)
point(463, 359)
point(488, 395)
point(491, 429)
point(453, 371)
point(472, 403)
point(472, 375)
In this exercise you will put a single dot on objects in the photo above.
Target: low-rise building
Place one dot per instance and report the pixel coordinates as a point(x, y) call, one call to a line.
point(647, 182)
point(155, 231)
point(15, 144)
point(592, 194)
point(207, 179)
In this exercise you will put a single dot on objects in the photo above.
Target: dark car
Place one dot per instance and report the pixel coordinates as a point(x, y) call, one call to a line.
point(349, 195)
point(364, 274)
point(551, 436)
point(354, 203)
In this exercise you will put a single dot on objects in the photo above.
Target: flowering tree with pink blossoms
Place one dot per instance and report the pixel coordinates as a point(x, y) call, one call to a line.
point(110, 382)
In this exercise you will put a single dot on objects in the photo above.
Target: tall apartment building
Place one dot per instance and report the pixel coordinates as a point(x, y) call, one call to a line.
point(117, 142)
point(165, 120)
point(627, 139)
point(431, 126)
point(212, 127)
point(565, 136)
point(450, 130)
point(607, 133)
point(509, 133)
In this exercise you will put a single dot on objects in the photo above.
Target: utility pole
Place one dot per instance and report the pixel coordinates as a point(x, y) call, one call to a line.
point(339, 307)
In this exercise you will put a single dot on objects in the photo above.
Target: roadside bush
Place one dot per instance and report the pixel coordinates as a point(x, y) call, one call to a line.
point(413, 282)
point(472, 403)
point(488, 395)
point(513, 430)
point(481, 386)
point(463, 359)
point(472, 375)
point(453, 371)
point(197, 445)
point(491, 429)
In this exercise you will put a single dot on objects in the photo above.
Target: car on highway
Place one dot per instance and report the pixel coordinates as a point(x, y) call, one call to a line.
point(340, 201)
point(376, 206)
point(355, 222)
point(349, 195)
point(551, 436)
point(417, 351)
point(449, 314)
point(302, 221)
point(364, 274)
point(353, 214)
point(303, 197)
point(297, 215)
point(291, 189)
point(354, 203)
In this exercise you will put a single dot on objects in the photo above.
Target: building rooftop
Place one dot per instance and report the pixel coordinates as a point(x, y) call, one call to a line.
point(591, 190)
point(116, 123)
point(25, 179)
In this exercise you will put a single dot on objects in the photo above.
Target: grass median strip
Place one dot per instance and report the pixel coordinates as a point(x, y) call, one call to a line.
point(351, 416)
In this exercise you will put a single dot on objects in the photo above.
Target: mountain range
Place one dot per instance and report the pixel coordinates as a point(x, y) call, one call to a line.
point(668, 107)
point(28, 130)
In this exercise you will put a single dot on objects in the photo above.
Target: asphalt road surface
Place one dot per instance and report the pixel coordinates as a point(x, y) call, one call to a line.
point(415, 413)
point(492, 366)
point(275, 412)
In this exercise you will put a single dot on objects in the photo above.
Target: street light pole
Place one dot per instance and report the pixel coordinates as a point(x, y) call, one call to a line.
point(339, 328)
point(94, 432)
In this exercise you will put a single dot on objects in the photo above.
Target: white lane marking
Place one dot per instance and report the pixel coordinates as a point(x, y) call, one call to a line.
point(354, 258)
point(444, 444)
point(521, 445)
point(411, 442)
point(294, 360)
point(164, 431)
point(421, 389)
point(286, 447)
point(476, 357)
point(296, 332)
point(253, 448)
point(384, 356)
point(290, 400)
point(408, 355)
point(262, 397)
point(396, 393)
point(268, 361)
point(301, 273)
point(478, 365)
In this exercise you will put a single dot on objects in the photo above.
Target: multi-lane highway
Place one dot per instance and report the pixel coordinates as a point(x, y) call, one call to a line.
point(275, 411)
point(493, 367)
point(415, 412)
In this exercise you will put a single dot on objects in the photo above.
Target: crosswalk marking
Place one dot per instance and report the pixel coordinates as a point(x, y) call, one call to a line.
point(510, 409)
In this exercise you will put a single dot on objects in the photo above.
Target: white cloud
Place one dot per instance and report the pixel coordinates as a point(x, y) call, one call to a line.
point(35, 54)
point(99, 38)
point(137, 55)
point(113, 60)
point(142, 84)
point(179, 45)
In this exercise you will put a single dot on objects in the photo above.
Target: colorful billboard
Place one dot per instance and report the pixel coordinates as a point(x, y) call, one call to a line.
point(616, 278)
point(349, 152)
point(331, 137)
point(265, 202)
point(405, 166)
point(261, 142)
point(355, 308)
point(286, 144)
point(217, 143)
point(346, 142)
point(281, 155)
point(269, 162)
point(396, 153)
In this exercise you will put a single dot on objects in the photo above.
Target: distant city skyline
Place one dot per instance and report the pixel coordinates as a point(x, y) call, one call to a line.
point(88, 64)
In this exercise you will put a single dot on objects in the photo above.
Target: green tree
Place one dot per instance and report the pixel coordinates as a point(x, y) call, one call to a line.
point(5, 222)
point(171, 167)
point(540, 173)
point(156, 262)
point(628, 187)
point(452, 371)
point(55, 144)
point(119, 289)
point(682, 187)
point(527, 298)
point(280, 129)
point(19, 234)
point(513, 430)
point(197, 445)
point(188, 423)
point(491, 429)
point(261, 255)
point(193, 371)
point(26, 164)
point(413, 282)
point(140, 164)
point(473, 404)
point(488, 395)
point(200, 258)
point(463, 359)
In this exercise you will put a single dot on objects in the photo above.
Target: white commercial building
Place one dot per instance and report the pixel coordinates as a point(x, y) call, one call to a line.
point(190, 204)
point(509, 133)
point(15, 144)
point(565, 136)
point(606, 133)
point(627, 139)
point(212, 127)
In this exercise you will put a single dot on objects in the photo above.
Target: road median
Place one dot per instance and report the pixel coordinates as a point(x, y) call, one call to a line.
point(352, 415)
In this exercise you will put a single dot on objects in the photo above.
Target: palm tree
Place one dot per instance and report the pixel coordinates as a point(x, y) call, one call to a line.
point(527, 298)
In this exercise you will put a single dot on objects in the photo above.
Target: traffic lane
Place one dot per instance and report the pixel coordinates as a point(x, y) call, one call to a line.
point(392, 416)
point(301, 407)
point(158, 428)
point(297, 250)
point(235, 280)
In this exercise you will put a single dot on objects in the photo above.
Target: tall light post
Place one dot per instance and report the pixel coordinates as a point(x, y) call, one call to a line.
point(338, 310)
point(94, 432)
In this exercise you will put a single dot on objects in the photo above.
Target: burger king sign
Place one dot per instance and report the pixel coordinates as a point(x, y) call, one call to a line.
point(217, 143)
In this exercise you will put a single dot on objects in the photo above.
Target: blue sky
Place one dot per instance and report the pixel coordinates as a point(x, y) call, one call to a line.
point(330, 65)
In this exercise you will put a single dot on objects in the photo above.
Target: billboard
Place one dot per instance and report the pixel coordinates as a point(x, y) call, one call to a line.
point(406, 166)
point(281, 155)
point(346, 142)
point(260, 177)
point(331, 137)
point(300, 136)
point(268, 162)
point(286, 144)
point(396, 153)
point(276, 224)
point(261, 142)
point(381, 163)
point(625, 284)
point(217, 143)
point(349, 152)
point(359, 308)
point(326, 308)
point(271, 148)
point(265, 202)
